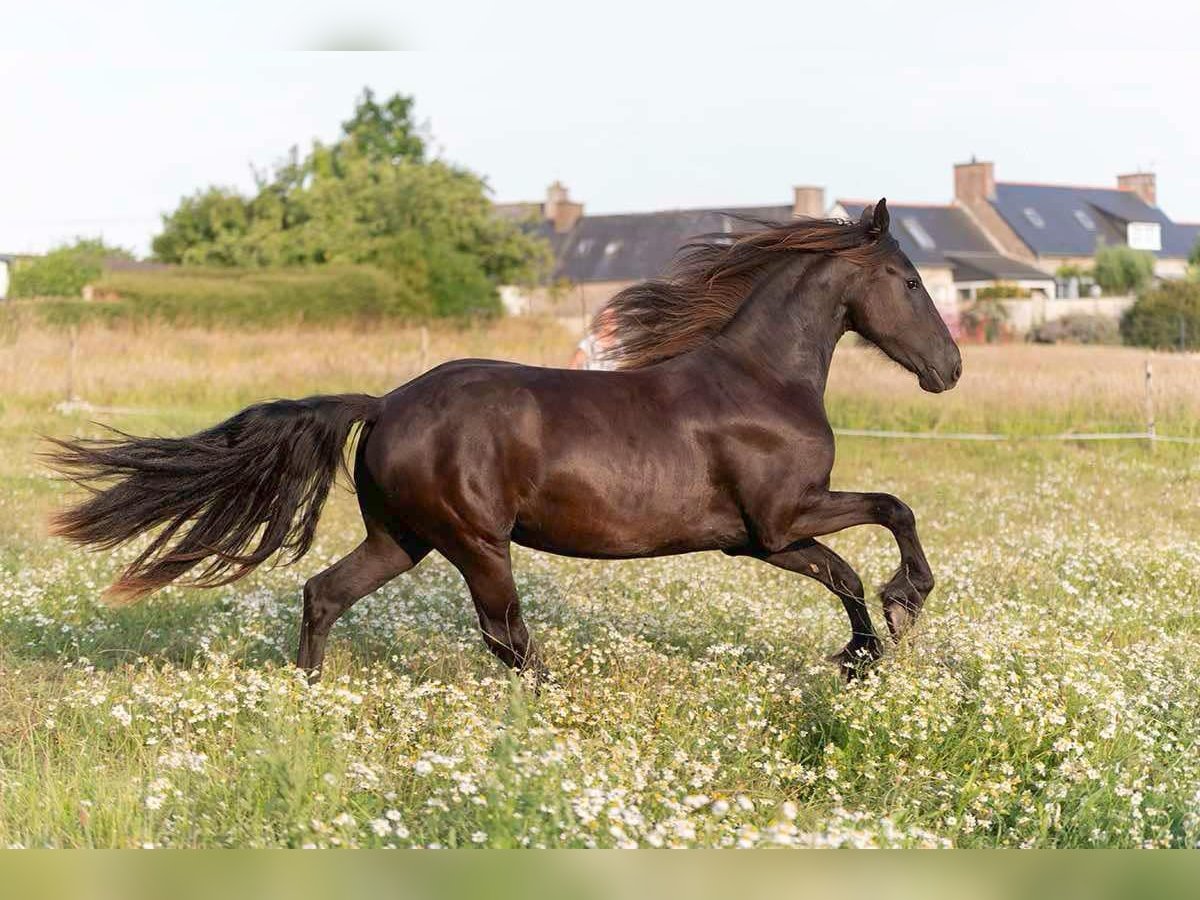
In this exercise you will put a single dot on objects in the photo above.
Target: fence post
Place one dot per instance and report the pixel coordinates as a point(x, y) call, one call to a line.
point(72, 357)
point(1150, 427)
point(423, 362)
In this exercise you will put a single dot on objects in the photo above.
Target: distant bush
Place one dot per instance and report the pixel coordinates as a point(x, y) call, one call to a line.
point(264, 297)
point(985, 318)
point(1165, 318)
point(1077, 328)
point(64, 271)
point(1123, 270)
point(1001, 290)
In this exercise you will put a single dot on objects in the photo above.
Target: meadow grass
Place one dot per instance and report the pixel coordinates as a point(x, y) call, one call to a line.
point(1049, 696)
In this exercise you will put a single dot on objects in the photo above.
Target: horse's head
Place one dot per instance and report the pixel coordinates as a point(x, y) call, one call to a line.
point(890, 307)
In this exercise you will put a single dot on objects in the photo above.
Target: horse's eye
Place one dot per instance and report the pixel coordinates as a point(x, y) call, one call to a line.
point(912, 284)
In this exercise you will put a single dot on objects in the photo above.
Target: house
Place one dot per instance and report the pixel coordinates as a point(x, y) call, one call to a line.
point(597, 256)
point(6, 264)
point(1054, 225)
point(991, 232)
point(953, 255)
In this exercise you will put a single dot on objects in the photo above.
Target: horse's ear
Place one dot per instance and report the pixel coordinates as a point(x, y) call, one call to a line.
point(867, 219)
point(881, 218)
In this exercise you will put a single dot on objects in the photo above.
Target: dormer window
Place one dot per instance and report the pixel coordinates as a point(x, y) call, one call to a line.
point(1085, 220)
point(1144, 235)
point(584, 247)
point(612, 247)
point(918, 232)
point(1034, 217)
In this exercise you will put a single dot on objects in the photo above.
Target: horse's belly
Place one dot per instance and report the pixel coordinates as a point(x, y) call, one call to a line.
point(629, 522)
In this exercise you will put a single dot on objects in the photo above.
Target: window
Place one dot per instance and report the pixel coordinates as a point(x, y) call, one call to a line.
point(1034, 217)
point(584, 247)
point(1085, 220)
point(920, 235)
point(612, 247)
point(1144, 235)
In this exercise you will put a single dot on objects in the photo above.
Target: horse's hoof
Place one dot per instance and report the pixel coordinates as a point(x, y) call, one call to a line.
point(853, 660)
point(902, 602)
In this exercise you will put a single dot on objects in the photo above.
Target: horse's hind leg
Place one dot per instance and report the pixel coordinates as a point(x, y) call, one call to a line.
point(488, 573)
point(816, 561)
point(373, 563)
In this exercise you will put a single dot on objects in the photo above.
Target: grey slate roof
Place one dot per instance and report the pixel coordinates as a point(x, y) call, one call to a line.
point(636, 246)
point(1186, 236)
point(948, 228)
point(993, 267)
point(1062, 233)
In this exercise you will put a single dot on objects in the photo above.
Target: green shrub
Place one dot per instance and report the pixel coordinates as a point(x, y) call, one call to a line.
point(986, 317)
point(1077, 328)
point(1165, 318)
point(64, 271)
point(1123, 270)
point(265, 297)
point(1001, 290)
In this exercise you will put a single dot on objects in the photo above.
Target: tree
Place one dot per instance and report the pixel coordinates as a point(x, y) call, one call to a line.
point(207, 229)
point(386, 131)
point(371, 197)
point(1123, 270)
point(65, 270)
point(1165, 318)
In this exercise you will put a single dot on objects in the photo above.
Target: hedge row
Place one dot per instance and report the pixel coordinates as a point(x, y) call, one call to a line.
point(1166, 317)
point(253, 298)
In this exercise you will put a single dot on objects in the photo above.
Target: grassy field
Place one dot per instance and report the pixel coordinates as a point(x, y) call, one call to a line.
point(1049, 697)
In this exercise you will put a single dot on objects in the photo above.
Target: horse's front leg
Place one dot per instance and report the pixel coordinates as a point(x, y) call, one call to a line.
point(905, 593)
point(816, 561)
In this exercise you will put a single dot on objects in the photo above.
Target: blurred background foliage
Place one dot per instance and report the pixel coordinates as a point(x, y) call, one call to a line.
point(368, 225)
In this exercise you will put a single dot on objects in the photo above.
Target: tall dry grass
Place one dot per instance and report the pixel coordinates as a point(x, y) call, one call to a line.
point(1021, 389)
point(159, 366)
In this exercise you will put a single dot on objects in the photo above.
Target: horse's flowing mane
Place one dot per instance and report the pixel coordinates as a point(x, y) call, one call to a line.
point(712, 275)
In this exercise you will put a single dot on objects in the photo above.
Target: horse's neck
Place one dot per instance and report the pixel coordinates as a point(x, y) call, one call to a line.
point(789, 324)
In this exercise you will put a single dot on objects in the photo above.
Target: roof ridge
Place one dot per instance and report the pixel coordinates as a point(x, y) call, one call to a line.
point(686, 209)
point(898, 203)
point(1073, 187)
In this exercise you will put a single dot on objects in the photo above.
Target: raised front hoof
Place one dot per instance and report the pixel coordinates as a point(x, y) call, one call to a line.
point(902, 601)
point(855, 659)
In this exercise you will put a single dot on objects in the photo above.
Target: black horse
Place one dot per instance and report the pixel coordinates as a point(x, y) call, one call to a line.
point(712, 435)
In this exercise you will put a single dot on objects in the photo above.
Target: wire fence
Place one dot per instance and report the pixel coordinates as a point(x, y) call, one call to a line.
point(998, 438)
point(1150, 435)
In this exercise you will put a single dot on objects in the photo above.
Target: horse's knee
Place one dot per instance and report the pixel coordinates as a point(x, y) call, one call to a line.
point(895, 514)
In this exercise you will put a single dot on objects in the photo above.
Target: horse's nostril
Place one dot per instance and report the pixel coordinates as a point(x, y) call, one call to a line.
point(957, 370)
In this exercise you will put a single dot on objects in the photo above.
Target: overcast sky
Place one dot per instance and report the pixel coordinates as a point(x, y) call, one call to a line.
point(743, 101)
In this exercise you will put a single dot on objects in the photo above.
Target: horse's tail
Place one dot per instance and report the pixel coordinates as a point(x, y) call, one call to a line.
point(226, 498)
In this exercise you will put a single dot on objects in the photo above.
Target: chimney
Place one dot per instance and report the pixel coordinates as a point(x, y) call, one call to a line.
point(974, 182)
point(808, 202)
point(1142, 184)
point(560, 209)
